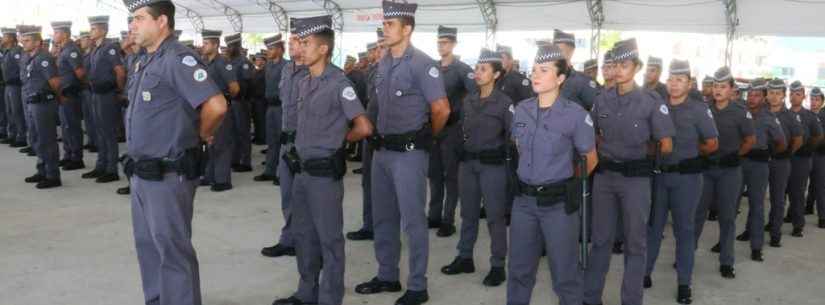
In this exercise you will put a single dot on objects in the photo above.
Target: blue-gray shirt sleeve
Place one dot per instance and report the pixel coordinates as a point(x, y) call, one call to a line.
point(660, 121)
point(584, 135)
point(706, 124)
point(192, 82)
point(428, 77)
point(349, 101)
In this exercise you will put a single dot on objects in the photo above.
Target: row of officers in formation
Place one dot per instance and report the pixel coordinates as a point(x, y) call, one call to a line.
point(520, 153)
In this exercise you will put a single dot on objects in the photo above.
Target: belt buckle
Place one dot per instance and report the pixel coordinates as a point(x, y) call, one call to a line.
point(410, 146)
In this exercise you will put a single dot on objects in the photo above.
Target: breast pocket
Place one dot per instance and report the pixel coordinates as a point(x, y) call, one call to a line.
point(153, 93)
point(551, 142)
point(636, 130)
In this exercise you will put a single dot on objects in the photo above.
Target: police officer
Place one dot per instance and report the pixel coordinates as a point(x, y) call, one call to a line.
point(274, 66)
point(327, 104)
point(513, 83)
point(679, 185)
point(486, 121)
point(443, 173)
point(780, 165)
point(626, 118)
point(652, 76)
point(87, 107)
point(239, 107)
point(755, 169)
point(174, 106)
point(551, 132)
point(10, 54)
point(71, 71)
point(106, 76)
point(816, 191)
point(707, 89)
point(40, 84)
point(409, 87)
point(578, 87)
point(288, 94)
point(591, 69)
point(257, 100)
point(802, 161)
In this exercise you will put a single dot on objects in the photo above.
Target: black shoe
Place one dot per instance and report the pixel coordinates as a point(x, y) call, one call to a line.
point(434, 224)
point(507, 219)
point(496, 276)
point(93, 149)
point(482, 214)
point(727, 272)
point(458, 266)
point(26, 150)
point(278, 251)
point(18, 144)
point(242, 168)
point(413, 298)
point(797, 232)
point(683, 296)
point(648, 282)
point(617, 248)
point(745, 236)
point(48, 183)
point(74, 165)
point(716, 248)
point(92, 175)
point(360, 235)
point(264, 151)
point(821, 224)
point(220, 187)
point(63, 162)
point(291, 301)
point(756, 256)
point(354, 159)
point(809, 209)
point(276, 181)
point(713, 216)
point(35, 179)
point(263, 177)
point(358, 171)
point(124, 190)
point(31, 153)
point(106, 178)
point(787, 219)
point(775, 243)
point(377, 286)
point(768, 227)
point(446, 230)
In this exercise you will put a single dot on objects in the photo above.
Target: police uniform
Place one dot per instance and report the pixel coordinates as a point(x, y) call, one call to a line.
point(274, 111)
point(679, 185)
point(816, 191)
point(658, 87)
point(69, 60)
point(257, 99)
point(87, 105)
point(801, 164)
point(780, 167)
point(239, 109)
point(578, 87)
point(162, 127)
point(626, 123)
point(10, 66)
point(514, 84)
point(443, 173)
point(219, 167)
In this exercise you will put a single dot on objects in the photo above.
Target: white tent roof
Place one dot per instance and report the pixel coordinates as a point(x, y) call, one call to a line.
point(757, 17)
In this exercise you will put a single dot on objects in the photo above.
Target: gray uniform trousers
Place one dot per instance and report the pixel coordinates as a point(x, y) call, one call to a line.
point(797, 185)
point(721, 187)
point(240, 131)
point(443, 174)
point(366, 184)
point(318, 224)
point(5, 114)
point(162, 224)
point(677, 194)
point(30, 125)
point(488, 182)
point(755, 177)
point(273, 139)
point(399, 192)
point(532, 230)
point(17, 114)
point(72, 132)
point(817, 184)
point(286, 178)
point(617, 196)
point(108, 114)
point(259, 119)
point(44, 118)
point(89, 115)
point(780, 172)
point(219, 165)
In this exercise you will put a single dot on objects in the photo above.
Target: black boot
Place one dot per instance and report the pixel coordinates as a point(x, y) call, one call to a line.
point(822, 223)
point(775, 243)
point(35, 178)
point(797, 232)
point(92, 175)
point(745, 236)
point(683, 296)
point(617, 247)
point(756, 256)
point(727, 272)
point(648, 282)
point(458, 266)
point(413, 298)
point(106, 178)
point(361, 234)
point(446, 230)
point(377, 286)
point(496, 276)
point(126, 190)
point(278, 251)
point(716, 248)
point(48, 183)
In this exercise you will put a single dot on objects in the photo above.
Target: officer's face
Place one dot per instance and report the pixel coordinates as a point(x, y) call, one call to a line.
point(314, 50)
point(545, 78)
point(776, 97)
point(29, 43)
point(707, 89)
point(259, 62)
point(755, 98)
point(722, 91)
point(445, 46)
point(608, 72)
point(8, 39)
point(625, 71)
point(210, 47)
point(60, 36)
point(506, 61)
point(797, 96)
point(98, 31)
point(653, 74)
point(274, 52)
point(816, 102)
point(678, 86)
point(295, 49)
point(592, 72)
point(395, 31)
point(84, 43)
point(567, 50)
point(147, 29)
point(485, 74)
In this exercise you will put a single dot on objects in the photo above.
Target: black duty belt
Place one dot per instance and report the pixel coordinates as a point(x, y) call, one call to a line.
point(726, 161)
point(190, 165)
point(687, 166)
point(547, 194)
point(416, 140)
point(491, 156)
point(14, 82)
point(633, 168)
point(334, 166)
point(759, 155)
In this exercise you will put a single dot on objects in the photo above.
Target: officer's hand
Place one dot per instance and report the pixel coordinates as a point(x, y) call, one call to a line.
point(209, 140)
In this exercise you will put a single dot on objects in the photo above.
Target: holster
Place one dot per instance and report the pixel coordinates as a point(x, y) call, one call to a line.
point(293, 161)
point(574, 191)
point(546, 195)
point(334, 166)
point(189, 165)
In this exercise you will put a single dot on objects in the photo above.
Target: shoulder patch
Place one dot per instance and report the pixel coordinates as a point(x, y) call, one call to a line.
point(798, 118)
point(512, 109)
point(777, 121)
point(710, 113)
point(229, 67)
point(45, 63)
point(112, 52)
point(748, 115)
point(663, 109)
point(349, 93)
point(200, 75)
point(525, 82)
point(471, 75)
point(73, 55)
point(434, 72)
point(246, 66)
point(16, 56)
point(588, 120)
point(189, 60)
point(593, 84)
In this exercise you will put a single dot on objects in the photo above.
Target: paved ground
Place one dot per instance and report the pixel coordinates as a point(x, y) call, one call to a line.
point(74, 245)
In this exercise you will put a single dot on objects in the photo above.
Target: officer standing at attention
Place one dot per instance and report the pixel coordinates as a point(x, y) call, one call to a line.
point(802, 161)
point(275, 64)
point(679, 184)
point(551, 132)
point(71, 71)
point(816, 192)
point(578, 87)
point(652, 76)
point(513, 83)
point(444, 155)
point(591, 69)
point(288, 93)
point(755, 170)
point(239, 107)
point(174, 107)
point(722, 183)
point(106, 76)
point(627, 118)
point(707, 89)
point(87, 105)
point(40, 84)
point(10, 64)
point(409, 87)
point(327, 104)
point(780, 165)
point(257, 100)
point(485, 132)
point(219, 166)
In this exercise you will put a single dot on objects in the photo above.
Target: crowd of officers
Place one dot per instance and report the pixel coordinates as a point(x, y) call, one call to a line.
point(509, 149)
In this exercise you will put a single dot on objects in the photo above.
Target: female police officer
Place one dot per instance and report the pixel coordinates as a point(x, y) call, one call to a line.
point(679, 185)
point(627, 118)
point(482, 173)
point(550, 132)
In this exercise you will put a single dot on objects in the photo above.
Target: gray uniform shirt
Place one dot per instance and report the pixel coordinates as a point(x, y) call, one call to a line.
point(70, 58)
point(459, 81)
point(39, 68)
point(694, 124)
point(767, 128)
point(10, 64)
point(516, 86)
point(288, 93)
point(102, 61)
point(734, 123)
point(486, 122)
point(810, 125)
point(221, 73)
point(791, 124)
point(272, 73)
point(581, 89)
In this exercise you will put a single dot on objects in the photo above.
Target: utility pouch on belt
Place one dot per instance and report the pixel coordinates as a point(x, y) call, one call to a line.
point(334, 166)
point(574, 199)
point(293, 161)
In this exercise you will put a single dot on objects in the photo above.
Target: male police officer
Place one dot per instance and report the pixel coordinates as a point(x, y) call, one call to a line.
point(513, 83)
point(409, 86)
point(802, 161)
point(591, 69)
point(174, 106)
point(71, 71)
point(87, 105)
point(816, 191)
point(239, 108)
point(106, 76)
point(10, 53)
point(578, 87)
point(40, 84)
point(272, 69)
point(652, 75)
point(443, 173)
